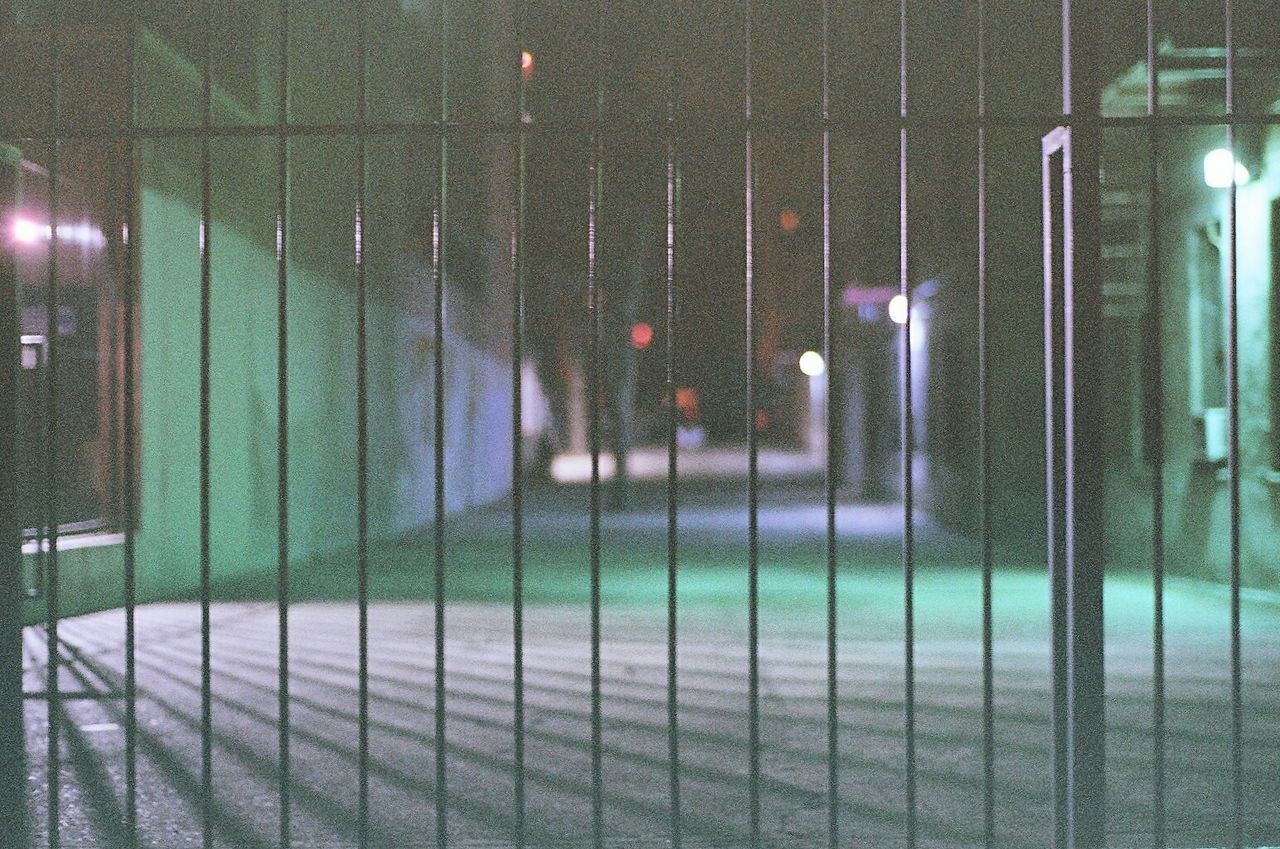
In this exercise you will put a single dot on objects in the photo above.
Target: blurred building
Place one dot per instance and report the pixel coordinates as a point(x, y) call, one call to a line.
point(142, 63)
point(1188, 359)
point(1165, 372)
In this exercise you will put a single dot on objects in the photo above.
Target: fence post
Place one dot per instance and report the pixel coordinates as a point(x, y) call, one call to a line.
point(1083, 371)
point(13, 772)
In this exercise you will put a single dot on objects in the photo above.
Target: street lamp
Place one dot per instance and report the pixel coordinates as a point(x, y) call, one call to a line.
point(811, 363)
point(898, 309)
point(1220, 166)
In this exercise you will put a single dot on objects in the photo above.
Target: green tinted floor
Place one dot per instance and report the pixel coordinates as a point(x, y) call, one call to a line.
point(635, 756)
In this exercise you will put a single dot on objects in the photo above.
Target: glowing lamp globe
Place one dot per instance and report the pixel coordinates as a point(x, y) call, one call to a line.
point(899, 309)
point(1220, 166)
point(811, 363)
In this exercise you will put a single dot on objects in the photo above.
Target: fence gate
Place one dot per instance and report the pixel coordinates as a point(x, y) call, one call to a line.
point(592, 481)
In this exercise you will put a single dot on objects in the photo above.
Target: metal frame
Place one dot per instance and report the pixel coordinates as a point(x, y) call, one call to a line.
point(1075, 561)
point(1073, 424)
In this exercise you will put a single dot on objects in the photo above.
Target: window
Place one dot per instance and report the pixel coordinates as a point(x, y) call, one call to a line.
point(90, 358)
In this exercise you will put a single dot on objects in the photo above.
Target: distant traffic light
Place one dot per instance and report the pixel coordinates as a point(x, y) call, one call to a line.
point(526, 63)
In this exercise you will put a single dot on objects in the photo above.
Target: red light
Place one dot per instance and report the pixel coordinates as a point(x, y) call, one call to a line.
point(762, 420)
point(526, 63)
point(687, 404)
point(788, 220)
point(641, 335)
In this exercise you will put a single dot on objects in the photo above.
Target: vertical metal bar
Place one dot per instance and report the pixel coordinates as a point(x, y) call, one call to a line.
point(128, 479)
point(206, 290)
point(13, 743)
point(1083, 373)
point(110, 369)
point(282, 425)
point(440, 259)
point(362, 436)
point(828, 315)
point(985, 457)
point(38, 576)
point(753, 461)
point(908, 450)
point(984, 440)
point(517, 425)
point(1085, 550)
point(1154, 383)
point(1233, 450)
point(53, 471)
point(593, 297)
point(673, 691)
point(1055, 519)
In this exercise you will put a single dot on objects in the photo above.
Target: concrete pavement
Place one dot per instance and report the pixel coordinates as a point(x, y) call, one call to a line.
point(712, 704)
point(712, 714)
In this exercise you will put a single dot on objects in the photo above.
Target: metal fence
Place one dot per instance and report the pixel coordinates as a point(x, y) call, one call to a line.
point(1073, 413)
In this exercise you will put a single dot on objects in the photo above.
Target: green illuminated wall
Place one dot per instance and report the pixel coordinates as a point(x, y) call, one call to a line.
point(322, 339)
point(1197, 491)
point(321, 308)
point(1194, 250)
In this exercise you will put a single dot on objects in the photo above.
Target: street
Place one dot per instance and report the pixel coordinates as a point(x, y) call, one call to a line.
point(713, 717)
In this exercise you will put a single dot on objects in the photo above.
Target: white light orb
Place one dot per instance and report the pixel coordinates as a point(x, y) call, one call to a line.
point(811, 363)
point(1220, 166)
point(26, 231)
point(898, 309)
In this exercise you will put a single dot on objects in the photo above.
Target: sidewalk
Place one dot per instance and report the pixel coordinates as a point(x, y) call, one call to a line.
point(649, 462)
point(635, 756)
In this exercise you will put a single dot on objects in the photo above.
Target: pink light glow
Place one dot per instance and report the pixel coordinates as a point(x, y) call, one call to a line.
point(27, 232)
point(854, 295)
point(84, 234)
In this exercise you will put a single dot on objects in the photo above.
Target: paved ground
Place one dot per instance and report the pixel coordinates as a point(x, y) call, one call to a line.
point(712, 711)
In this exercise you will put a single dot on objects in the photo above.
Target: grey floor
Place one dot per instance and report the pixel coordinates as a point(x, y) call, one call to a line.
point(712, 716)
